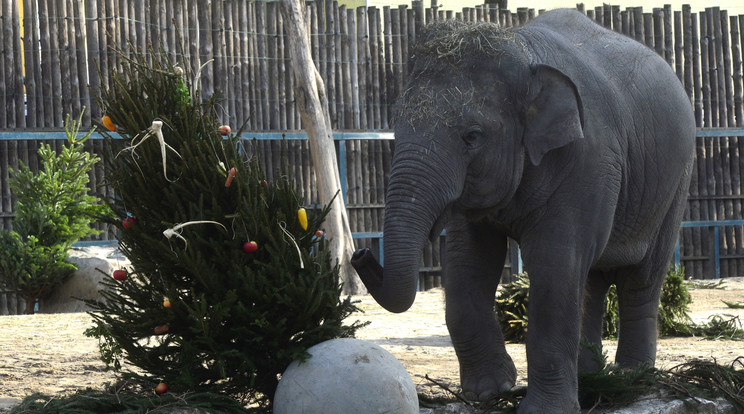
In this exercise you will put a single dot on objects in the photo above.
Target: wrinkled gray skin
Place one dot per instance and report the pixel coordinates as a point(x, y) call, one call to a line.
point(573, 140)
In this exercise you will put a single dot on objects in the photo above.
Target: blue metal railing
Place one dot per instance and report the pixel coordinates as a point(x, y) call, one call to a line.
point(342, 136)
point(715, 231)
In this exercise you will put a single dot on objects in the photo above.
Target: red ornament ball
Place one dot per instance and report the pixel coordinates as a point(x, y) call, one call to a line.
point(120, 274)
point(250, 246)
point(224, 130)
point(129, 222)
point(161, 389)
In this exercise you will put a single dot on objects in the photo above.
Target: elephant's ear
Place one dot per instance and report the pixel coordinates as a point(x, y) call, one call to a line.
point(555, 116)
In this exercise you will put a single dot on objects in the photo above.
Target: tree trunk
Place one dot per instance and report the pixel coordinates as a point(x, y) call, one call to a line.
point(30, 305)
point(313, 104)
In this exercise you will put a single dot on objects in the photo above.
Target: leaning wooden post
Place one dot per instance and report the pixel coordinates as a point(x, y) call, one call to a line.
point(313, 104)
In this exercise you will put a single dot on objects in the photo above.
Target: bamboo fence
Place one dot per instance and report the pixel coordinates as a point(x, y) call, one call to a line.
point(56, 59)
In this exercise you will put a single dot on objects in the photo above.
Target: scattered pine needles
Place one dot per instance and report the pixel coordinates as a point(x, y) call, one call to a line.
point(127, 397)
point(615, 387)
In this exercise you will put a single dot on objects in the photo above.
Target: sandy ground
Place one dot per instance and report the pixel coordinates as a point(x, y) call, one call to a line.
point(50, 354)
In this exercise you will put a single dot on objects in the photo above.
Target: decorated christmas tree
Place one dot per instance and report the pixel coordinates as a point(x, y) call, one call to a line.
point(229, 281)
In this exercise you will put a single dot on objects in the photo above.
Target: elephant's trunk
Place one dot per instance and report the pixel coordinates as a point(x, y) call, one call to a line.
point(415, 200)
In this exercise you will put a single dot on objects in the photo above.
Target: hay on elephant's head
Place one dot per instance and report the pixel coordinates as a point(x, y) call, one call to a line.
point(450, 47)
point(454, 41)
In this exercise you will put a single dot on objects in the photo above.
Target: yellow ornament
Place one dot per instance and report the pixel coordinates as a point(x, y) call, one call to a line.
point(302, 216)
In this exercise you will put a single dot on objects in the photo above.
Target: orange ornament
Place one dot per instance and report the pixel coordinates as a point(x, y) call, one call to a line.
point(106, 121)
point(166, 303)
point(161, 329)
point(230, 176)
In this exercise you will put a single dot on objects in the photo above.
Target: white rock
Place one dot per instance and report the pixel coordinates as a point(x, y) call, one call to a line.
point(345, 376)
point(661, 405)
point(94, 263)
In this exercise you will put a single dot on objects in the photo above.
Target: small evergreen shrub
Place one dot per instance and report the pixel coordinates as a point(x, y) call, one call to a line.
point(52, 211)
point(512, 303)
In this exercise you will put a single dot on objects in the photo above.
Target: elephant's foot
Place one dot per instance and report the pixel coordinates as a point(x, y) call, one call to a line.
point(533, 403)
point(483, 381)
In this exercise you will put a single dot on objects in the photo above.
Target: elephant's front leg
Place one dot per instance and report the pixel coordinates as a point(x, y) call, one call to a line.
point(557, 277)
point(473, 264)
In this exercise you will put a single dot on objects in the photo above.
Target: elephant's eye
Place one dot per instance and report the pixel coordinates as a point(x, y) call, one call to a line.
point(472, 136)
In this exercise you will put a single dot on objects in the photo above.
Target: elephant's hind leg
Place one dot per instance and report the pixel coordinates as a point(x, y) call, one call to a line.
point(473, 264)
point(639, 290)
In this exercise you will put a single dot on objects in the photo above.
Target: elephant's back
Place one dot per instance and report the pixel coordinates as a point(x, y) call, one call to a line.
point(622, 83)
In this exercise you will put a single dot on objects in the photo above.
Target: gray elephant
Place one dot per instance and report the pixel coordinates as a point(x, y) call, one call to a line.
point(573, 140)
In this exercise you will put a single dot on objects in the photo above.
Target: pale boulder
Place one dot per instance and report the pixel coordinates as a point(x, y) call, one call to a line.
point(345, 376)
point(93, 265)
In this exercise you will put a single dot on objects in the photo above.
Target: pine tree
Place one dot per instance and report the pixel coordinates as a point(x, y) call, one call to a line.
point(229, 281)
point(53, 210)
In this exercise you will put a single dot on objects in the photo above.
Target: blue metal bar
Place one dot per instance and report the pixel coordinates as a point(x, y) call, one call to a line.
point(28, 134)
point(49, 134)
point(717, 223)
point(720, 132)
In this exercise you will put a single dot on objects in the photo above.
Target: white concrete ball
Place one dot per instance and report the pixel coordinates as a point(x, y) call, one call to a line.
point(345, 376)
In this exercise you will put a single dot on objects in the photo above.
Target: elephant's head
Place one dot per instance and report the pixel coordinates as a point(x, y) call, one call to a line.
point(475, 109)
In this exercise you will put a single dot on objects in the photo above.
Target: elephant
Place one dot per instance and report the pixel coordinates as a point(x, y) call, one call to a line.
point(573, 140)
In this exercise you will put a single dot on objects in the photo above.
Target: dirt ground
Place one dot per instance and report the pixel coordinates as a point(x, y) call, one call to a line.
point(48, 352)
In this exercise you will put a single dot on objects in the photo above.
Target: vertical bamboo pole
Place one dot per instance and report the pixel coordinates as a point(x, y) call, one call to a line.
point(639, 26)
point(29, 47)
point(738, 71)
point(255, 68)
point(687, 51)
point(137, 13)
point(373, 22)
point(232, 71)
point(727, 81)
point(405, 39)
point(705, 70)
point(206, 51)
point(648, 30)
point(390, 91)
point(679, 59)
point(329, 66)
point(712, 68)
point(282, 58)
point(697, 71)
point(112, 23)
point(668, 35)
point(216, 70)
point(243, 106)
point(362, 59)
point(272, 31)
point(94, 57)
point(626, 20)
point(192, 40)
point(7, 114)
point(73, 77)
point(58, 89)
point(346, 34)
point(340, 82)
